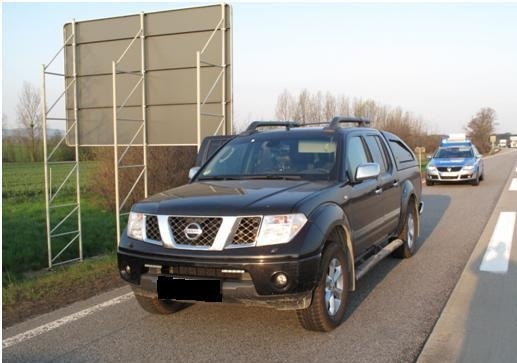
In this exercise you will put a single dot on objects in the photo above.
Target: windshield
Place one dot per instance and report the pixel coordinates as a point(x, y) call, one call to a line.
point(274, 157)
point(454, 152)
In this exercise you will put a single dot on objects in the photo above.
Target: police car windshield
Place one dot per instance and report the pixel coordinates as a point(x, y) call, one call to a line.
point(454, 152)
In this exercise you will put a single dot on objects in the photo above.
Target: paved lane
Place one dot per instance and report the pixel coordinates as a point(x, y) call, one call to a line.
point(388, 319)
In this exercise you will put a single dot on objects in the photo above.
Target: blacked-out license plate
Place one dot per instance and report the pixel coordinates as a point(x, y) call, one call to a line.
point(186, 289)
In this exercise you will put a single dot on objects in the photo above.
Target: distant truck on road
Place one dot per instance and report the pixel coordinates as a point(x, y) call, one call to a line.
point(513, 141)
point(503, 143)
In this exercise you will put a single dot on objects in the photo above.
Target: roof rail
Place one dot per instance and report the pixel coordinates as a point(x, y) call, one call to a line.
point(256, 124)
point(313, 124)
point(361, 122)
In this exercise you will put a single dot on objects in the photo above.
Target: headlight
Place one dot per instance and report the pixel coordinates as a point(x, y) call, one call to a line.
point(135, 225)
point(280, 229)
point(468, 167)
point(431, 168)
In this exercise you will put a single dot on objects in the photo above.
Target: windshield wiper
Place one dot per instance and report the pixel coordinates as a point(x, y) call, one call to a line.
point(274, 176)
point(220, 177)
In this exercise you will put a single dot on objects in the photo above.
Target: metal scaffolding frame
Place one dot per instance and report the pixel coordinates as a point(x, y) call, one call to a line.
point(221, 26)
point(52, 204)
point(141, 128)
point(58, 228)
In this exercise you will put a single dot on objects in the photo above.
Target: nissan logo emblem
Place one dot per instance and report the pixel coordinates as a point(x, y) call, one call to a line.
point(193, 231)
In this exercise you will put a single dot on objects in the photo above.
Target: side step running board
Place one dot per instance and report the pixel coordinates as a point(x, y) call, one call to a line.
point(378, 257)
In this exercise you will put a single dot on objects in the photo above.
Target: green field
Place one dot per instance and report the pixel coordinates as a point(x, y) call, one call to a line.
point(24, 243)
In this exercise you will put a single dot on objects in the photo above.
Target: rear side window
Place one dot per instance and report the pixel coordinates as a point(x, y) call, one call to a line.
point(377, 153)
point(356, 155)
point(404, 157)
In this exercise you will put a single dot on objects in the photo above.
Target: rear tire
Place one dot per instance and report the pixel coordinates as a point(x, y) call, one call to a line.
point(157, 306)
point(408, 234)
point(329, 300)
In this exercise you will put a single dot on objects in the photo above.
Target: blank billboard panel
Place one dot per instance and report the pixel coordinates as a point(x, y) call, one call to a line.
point(171, 41)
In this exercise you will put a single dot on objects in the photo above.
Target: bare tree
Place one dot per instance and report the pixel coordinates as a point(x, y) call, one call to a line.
point(302, 107)
point(315, 108)
point(330, 107)
point(481, 127)
point(343, 106)
point(28, 112)
point(285, 106)
point(5, 122)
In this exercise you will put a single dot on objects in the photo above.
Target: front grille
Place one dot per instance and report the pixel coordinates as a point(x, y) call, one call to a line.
point(152, 230)
point(453, 168)
point(208, 225)
point(247, 231)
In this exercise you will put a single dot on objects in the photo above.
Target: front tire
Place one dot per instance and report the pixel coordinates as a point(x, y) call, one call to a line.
point(157, 306)
point(429, 183)
point(475, 182)
point(408, 234)
point(327, 310)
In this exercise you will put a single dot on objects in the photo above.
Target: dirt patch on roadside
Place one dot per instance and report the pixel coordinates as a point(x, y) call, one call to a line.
point(61, 295)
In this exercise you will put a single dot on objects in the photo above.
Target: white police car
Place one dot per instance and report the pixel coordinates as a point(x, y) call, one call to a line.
point(455, 162)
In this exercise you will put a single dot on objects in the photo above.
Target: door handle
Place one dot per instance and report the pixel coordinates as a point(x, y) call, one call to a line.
point(378, 190)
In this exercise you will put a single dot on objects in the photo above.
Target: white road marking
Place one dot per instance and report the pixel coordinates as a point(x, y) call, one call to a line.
point(497, 253)
point(513, 185)
point(62, 321)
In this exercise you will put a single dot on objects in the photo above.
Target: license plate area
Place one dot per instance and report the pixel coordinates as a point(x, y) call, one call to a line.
point(447, 174)
point(176, 288)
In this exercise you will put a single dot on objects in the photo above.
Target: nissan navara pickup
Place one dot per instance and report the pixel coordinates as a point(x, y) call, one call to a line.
point(288, 218)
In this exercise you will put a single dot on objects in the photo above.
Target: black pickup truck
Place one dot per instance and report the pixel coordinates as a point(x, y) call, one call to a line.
point(288, 218)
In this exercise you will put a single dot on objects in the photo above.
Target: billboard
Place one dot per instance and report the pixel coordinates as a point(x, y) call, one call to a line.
point(171, 40)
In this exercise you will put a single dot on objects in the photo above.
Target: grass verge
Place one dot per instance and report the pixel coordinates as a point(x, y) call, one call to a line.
point(50, 290)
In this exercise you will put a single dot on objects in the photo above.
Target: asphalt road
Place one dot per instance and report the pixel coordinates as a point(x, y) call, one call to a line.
point(389, 317)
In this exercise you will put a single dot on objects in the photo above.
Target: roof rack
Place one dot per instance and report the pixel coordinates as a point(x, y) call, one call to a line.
point(361, 122)
point(256, 124)
point(313, 124)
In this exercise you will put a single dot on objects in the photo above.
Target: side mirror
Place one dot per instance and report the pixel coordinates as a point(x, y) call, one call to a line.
point(367, 171)
point(192, 172)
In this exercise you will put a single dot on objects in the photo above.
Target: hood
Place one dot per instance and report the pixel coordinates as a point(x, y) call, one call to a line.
point(453, 162)
point(232, 197)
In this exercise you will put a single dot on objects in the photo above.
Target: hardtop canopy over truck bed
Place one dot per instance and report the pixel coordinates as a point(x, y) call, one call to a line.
point(287, 218)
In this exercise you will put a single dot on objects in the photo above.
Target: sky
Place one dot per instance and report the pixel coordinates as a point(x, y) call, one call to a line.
point(441, 62)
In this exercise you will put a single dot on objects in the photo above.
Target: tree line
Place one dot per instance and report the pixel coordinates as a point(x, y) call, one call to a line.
point(319, 107)
point(26, 144)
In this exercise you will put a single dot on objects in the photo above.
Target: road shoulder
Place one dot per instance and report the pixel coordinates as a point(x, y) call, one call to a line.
point(479, 321)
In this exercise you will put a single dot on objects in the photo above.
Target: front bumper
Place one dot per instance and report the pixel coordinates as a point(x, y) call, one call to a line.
point(245, 282)
point(453, 176)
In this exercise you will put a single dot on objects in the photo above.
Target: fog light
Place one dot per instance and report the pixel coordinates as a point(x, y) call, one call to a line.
point(128, 269)
point(280, 280)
